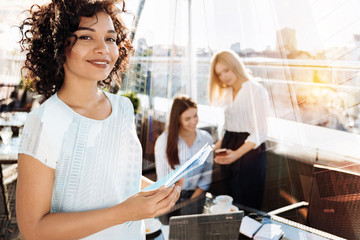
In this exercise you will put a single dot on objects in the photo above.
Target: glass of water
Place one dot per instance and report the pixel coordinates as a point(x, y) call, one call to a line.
point(6, 134)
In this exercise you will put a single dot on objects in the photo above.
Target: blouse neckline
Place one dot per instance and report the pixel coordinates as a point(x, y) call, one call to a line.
point(87, 118)
point(233, 99)
point(196, 139)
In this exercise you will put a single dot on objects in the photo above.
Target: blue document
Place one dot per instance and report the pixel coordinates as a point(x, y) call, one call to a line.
point(194, 162)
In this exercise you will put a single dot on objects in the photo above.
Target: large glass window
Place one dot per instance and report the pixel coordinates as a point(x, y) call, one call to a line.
point(306, 54)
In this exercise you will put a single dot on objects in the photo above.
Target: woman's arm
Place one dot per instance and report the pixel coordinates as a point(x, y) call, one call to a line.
point(145, 182)
point(231, 156)
point(198, 191)
point(33, 201)
point(161, 162)
point(260, 111)
point(217, 145)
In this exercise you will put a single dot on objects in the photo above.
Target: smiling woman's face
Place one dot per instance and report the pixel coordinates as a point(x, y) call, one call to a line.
point(95, 52)
point(189, 119)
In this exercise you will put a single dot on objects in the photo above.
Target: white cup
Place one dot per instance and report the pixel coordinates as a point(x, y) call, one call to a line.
point(224, 200)
point(6, 135)
point(220, 208)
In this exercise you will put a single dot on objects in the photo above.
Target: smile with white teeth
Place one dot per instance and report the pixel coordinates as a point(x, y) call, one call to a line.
point(97, 62)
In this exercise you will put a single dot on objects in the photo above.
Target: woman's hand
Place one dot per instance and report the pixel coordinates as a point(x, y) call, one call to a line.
point(228, 158)
point(149, 204)
point(231, 156)
point(179, 183)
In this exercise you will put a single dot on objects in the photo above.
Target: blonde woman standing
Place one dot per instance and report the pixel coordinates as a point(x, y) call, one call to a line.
point(243, 165)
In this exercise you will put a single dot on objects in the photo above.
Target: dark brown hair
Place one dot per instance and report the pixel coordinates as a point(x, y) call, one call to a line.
point(180, 105)
point(45, 35)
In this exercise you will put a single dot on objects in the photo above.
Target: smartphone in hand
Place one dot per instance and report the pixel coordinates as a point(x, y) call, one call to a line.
point(220, 152)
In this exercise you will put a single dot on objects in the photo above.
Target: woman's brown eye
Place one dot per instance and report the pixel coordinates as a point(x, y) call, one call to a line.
point(85, 37)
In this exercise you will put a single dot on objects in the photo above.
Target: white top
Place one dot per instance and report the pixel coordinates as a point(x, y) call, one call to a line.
point(248, 112)
point(97, 162)
point(201, 176)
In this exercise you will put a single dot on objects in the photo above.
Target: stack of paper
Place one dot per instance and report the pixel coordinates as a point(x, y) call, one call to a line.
point(194, 162)
point(249, 226)
point(258, 231)
point(269, 231)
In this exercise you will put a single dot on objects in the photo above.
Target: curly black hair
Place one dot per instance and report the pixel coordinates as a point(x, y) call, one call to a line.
point(45, 35)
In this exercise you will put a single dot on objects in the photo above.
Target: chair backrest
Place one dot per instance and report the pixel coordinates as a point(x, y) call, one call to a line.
point(334, 203)
point(206, 226)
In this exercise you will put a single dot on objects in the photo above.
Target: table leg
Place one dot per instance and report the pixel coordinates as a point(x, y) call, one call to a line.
point(4, 203)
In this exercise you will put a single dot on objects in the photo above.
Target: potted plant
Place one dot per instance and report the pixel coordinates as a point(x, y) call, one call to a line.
point(134, 100)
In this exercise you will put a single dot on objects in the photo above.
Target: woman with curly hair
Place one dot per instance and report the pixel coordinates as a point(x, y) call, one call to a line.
point(79, 163)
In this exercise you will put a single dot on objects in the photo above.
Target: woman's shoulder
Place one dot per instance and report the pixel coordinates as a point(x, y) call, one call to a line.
point(204, 135)
point(116, 98)
point(49, 104)
point(162, 137)
point(161, 141)
point(254, 83)
point(120, 103)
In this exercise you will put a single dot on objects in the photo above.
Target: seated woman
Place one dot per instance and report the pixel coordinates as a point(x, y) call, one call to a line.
point(179, 143)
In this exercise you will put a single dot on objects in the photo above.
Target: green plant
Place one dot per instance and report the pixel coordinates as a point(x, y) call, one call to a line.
point(134, 100)
point(27, 83)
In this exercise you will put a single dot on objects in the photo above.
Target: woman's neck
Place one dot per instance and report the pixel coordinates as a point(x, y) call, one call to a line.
point(237, 86)
point(86, 99)
point(188, 136)
point(79, 94)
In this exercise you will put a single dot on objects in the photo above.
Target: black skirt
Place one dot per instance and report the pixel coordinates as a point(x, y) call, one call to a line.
point(244, 179)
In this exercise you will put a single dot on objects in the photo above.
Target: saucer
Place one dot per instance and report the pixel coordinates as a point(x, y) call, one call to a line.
point(218, 209)
point(152, 225)
point(234, 208)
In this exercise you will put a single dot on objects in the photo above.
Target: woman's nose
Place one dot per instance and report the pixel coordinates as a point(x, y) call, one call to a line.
point(102, 47)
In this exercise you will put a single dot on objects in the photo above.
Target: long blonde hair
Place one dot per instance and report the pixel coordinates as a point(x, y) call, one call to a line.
point(234, 63)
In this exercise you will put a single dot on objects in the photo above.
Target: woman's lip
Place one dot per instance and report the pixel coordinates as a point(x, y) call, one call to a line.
point(99, 63)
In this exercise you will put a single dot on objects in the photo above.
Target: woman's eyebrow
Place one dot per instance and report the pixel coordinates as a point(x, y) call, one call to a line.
point(93, 30)
point(86, 28)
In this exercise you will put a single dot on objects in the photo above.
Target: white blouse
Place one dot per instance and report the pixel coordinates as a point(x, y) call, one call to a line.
point(248, 112)
point(97, 162)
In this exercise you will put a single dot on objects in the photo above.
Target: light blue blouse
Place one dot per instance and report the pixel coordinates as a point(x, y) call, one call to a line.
point(200, 177)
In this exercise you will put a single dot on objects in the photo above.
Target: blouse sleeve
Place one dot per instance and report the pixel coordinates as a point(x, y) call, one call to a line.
point(206, 174)
point(36, 142)
point(161, 163)
point(259, 110)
